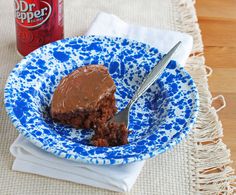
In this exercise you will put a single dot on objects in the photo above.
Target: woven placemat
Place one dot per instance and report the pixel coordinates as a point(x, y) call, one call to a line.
point(199, 165)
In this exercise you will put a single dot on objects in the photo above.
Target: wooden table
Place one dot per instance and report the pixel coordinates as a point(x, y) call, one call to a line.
point(217, 21)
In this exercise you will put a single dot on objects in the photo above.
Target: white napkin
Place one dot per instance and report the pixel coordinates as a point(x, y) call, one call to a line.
point(31, 159)
point(111, 25)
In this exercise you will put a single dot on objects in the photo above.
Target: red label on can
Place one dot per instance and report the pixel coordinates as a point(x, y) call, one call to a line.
point(30, 15)
point(37, 23)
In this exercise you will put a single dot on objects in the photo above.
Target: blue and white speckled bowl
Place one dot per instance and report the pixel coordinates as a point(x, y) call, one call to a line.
point(158, 120)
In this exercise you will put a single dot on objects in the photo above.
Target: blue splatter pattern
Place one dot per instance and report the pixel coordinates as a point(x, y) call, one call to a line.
point(158, 120)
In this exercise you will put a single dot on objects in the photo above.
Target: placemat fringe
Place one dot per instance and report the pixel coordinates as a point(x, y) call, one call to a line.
point(187, 22)
point(210, 159)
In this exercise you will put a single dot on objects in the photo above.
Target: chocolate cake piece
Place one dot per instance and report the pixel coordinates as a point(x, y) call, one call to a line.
point(85, 99)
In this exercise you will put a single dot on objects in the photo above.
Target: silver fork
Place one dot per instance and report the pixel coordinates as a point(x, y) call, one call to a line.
point(123, 116)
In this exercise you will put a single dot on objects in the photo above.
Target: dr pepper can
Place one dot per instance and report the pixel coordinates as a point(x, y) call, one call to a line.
point(38, 22)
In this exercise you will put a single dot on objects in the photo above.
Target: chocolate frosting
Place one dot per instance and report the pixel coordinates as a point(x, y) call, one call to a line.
point(82, 89)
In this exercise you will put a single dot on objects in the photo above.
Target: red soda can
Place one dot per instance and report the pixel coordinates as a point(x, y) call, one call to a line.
point(38, 22)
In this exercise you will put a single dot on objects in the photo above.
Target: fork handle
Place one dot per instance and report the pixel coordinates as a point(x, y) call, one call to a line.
point(154, 74)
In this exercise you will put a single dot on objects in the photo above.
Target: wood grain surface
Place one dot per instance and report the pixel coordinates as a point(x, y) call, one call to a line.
point(217, 21)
